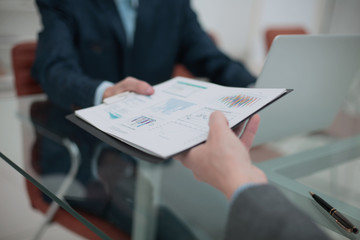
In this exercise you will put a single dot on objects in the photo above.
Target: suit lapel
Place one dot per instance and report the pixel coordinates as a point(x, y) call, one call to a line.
point(110, 12)
point(144, 25)
point(145, 15)
point(143, 31)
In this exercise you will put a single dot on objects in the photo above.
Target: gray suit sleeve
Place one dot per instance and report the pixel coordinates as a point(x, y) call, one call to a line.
point(262, 212)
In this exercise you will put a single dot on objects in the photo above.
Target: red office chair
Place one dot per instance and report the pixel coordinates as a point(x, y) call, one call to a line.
point(23, 55)
point(63, 217)
point(272, 32)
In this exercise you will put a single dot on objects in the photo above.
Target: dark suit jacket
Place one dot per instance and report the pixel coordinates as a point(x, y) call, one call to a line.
point(83, 43)
point(262, 212)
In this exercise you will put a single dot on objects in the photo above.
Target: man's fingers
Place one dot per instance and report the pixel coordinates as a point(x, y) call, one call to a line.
point(188, 158)
point(218, 125)
point(237, 130)
point(134, 85)
point(180, 156)
point(250, 131)
point(129, 84)
point(217, 117)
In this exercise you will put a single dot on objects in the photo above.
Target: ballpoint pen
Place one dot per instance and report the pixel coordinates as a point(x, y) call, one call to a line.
point(339, 218)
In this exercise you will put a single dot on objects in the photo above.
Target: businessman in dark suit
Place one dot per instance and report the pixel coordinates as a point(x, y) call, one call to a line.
point(258, 210)
point(87, 47)
point(91, 49)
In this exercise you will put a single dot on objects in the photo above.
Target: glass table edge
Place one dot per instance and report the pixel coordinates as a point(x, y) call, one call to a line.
point(62, 204)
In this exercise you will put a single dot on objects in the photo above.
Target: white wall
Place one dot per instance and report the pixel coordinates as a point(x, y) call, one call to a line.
point(229, 20)
point(18, 22)
point(346, 17)
point(238, 25)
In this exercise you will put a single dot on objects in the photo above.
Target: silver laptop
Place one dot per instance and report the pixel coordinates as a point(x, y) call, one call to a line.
point(320, 69)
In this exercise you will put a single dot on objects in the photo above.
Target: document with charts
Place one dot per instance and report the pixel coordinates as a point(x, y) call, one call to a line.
point(175, 118)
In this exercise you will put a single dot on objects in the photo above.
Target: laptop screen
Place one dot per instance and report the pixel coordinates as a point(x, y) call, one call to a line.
point(320, 69)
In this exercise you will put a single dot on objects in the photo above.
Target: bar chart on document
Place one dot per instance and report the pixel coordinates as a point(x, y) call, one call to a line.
point(233, 106)
point(171, 106)
point(240, 100)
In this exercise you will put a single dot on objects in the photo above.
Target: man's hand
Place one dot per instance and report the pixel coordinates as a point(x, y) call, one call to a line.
point(223, 161)
point(129, 84)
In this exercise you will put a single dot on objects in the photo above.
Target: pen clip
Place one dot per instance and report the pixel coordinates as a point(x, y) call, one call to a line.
point(343, 227)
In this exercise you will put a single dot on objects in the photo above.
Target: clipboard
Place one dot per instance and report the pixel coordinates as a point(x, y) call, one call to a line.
point(116, 143)
point(130, 150)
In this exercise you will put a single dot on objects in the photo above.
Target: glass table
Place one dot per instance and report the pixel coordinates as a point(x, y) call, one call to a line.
point(331, 171)
point(96, 191)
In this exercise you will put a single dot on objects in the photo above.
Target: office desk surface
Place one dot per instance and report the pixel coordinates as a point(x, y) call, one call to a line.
point(90, 178)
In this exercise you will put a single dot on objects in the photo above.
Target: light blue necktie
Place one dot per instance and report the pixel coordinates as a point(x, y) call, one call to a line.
point(128, 12)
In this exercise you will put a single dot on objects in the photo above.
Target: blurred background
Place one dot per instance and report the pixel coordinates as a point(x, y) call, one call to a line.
point(239, 28)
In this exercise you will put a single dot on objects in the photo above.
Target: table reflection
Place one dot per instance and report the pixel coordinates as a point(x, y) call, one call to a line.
point(102, 183)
